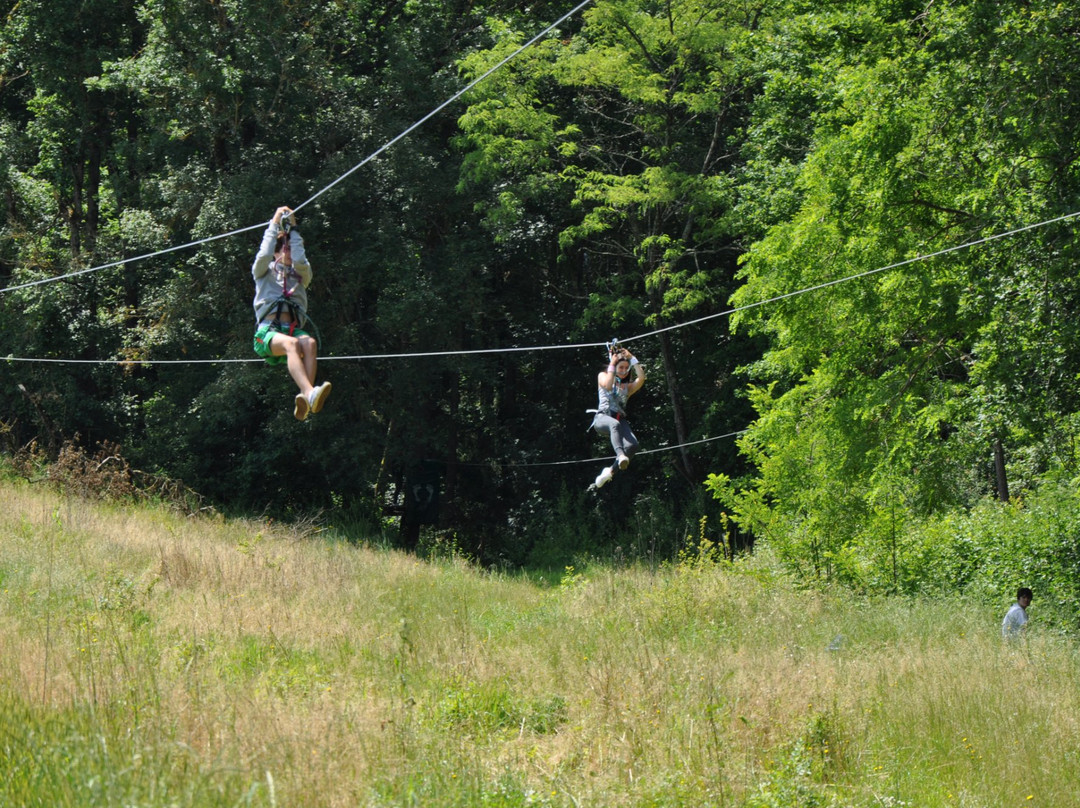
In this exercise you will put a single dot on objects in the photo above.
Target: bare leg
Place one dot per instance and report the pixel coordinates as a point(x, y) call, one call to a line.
point(310, 351)
point(296, 360)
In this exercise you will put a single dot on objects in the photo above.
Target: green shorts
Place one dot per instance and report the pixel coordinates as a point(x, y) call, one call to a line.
point(264, 334)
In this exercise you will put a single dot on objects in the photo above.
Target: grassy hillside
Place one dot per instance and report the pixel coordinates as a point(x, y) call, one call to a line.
point(155, 660)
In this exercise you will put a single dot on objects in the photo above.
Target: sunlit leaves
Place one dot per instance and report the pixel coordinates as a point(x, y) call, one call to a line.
point(909, 143)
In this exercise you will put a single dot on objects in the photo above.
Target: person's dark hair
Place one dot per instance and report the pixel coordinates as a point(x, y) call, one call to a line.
point(279, 245)
point(1023, 592)
point(621, 355)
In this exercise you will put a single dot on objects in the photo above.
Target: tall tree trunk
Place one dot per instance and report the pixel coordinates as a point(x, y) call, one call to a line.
point(999, 471)
point(73, 212)
point(450, 487)
point(684, 463)
point(94, 154)
point(380, 478)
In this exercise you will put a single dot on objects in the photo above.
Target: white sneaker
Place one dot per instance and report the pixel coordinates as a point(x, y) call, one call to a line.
point(604, 477)
point(624, 461)
point(300, 410)
point(318, 396)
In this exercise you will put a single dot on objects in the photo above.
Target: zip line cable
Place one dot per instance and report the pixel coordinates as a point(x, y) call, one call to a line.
point(697, 321)
point(580, 462)
point(420, 354)
point(405, 133)
point(827, 284)
point(448, 101)
point(577, 345)
point(316, 195)
point(77, 273)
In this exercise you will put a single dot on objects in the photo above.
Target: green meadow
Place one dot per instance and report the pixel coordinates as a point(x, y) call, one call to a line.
point(153, 659)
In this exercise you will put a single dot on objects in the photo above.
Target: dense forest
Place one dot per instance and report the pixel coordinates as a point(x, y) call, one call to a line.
point(843, 231)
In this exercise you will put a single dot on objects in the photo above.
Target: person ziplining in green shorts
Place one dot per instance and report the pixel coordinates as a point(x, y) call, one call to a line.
point(282, 275)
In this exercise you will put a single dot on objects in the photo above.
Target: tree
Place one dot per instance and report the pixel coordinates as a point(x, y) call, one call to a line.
point(620, 139)
point(924, 137)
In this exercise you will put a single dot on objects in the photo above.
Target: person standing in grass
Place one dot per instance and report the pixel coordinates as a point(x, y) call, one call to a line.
point(282, 275)
point(1015, 621)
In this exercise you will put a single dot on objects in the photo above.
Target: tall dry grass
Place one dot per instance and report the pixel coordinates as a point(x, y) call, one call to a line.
point(151, 659)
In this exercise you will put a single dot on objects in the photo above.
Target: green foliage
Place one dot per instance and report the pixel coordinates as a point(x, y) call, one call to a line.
point(493, 707)
point(81, 755)
point(880, 400)
point(641, 166)
point(266, 665)
point(999, 547)
point(985, 552)
point(804, 774)
point(163, 660)
point(661, 79)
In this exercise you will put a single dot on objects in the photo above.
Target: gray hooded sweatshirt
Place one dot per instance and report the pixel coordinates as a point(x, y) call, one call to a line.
point(275, 282)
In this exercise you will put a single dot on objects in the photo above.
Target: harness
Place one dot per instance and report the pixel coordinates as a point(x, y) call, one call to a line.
point(618, 415)
point(294, 310)
point(286, 301)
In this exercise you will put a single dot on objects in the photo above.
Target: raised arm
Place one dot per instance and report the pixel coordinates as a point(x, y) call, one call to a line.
point(299, 257)
point(639, 374)
point(266, 248)
point(606, 378)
